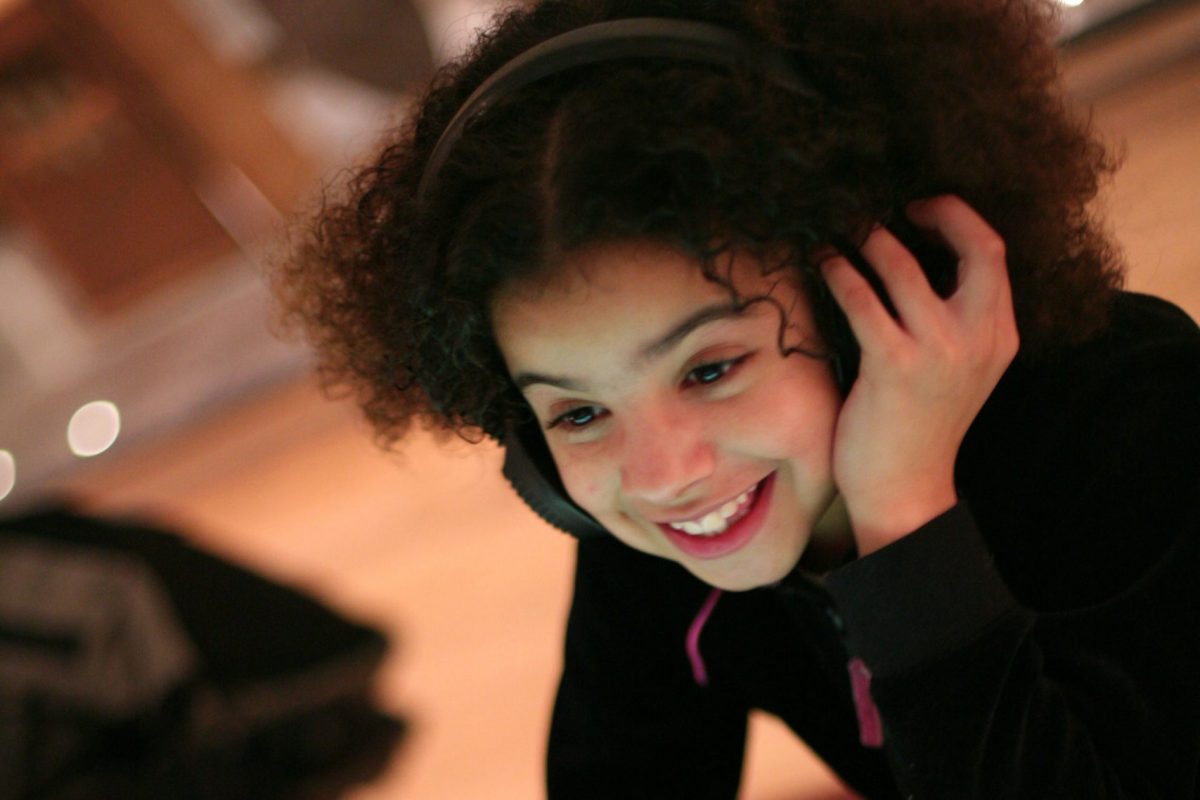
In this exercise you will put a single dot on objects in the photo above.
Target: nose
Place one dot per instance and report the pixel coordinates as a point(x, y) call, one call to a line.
point(663, 458)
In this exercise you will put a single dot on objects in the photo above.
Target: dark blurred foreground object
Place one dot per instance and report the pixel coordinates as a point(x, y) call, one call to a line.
point(134, 666)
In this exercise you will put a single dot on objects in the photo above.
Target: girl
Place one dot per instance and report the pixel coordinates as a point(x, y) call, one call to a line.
point(796, 315)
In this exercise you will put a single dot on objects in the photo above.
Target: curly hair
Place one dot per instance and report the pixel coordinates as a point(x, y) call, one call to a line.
point(919, 97)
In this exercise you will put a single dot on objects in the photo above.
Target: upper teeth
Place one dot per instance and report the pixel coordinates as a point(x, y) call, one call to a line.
point(717, 521)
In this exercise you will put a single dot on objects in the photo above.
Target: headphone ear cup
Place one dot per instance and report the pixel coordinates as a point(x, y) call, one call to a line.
point(529, 468)
point(845, 361)
point(839, 338)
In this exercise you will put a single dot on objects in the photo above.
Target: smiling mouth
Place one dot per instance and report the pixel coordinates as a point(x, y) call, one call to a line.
point(719, 520)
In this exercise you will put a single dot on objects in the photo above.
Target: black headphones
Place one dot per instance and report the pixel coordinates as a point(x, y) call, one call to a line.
point(618, 40)
point(528, 465)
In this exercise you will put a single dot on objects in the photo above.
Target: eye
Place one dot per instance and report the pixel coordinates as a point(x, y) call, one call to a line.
point(713, 372)
point(578, 417)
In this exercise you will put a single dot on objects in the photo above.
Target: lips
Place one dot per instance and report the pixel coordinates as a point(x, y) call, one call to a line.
point(743, 522)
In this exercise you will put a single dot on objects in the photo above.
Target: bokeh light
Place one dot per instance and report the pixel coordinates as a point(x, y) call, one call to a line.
point(93, 428)
point(8, 473)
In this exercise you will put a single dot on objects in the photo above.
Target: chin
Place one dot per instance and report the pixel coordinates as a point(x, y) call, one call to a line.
point(742, 577)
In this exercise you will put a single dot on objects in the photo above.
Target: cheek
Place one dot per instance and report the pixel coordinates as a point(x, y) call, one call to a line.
point(796, 419)
point(583, 479)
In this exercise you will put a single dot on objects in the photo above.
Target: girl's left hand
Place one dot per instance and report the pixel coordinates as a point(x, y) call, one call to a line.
point(923, 376)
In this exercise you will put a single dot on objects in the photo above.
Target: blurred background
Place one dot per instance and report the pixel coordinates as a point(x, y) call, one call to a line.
point(150, 152)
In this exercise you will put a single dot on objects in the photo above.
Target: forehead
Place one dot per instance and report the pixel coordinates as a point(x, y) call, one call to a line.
point(619, 274)
point(625, 279)
point(609, 301)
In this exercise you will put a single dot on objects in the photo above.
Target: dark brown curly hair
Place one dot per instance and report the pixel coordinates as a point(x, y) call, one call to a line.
point(919, 97)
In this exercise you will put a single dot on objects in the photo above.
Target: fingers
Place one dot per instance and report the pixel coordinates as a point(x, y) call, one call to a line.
point(980, 309)
point(872, 325)
point(983, 284)
point(917, 305)
point(967, 233)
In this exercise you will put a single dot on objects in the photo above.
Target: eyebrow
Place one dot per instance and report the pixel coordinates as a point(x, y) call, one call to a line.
point(648, 351)
point(696, 319)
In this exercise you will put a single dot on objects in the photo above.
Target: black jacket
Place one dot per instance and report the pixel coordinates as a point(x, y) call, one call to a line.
point(1039, 640)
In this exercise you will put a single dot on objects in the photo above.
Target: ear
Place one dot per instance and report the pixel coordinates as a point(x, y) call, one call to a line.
point(530, 469)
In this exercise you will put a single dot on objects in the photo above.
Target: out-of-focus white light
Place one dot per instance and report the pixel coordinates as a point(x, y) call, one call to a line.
point(93, 428)
point(1071, 3)
point(8, 473)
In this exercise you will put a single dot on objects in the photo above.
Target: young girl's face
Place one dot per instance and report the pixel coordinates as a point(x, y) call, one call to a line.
point(672, 418)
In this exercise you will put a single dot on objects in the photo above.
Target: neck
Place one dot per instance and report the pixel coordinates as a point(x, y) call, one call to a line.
point(832, 539)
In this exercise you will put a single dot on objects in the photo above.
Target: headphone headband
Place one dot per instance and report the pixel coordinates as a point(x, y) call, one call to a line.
point(638, 37)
